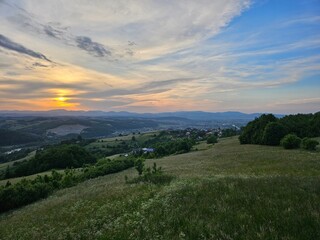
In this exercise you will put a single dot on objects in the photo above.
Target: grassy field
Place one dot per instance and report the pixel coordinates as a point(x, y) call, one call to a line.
point(3, 166)
point(106, 145)
point(229, 191)
point(30, 177)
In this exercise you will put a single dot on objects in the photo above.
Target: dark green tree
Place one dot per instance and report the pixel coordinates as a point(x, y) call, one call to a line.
point(253, 132)
point(273, 133)
point(212, 139)
point(309, 144)
point(7, 173)
point(290, 141)
point(139, 165)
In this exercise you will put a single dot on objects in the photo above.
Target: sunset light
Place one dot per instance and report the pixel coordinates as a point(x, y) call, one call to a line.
point(133, 56)
point(61, 99)
point(153, 119)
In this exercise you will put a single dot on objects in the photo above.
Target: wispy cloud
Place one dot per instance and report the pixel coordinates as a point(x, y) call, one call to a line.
point(13, 46)
point(155, 55)
point(94, 48)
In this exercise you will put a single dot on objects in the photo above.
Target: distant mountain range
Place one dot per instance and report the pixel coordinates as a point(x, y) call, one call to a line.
point(192, 115)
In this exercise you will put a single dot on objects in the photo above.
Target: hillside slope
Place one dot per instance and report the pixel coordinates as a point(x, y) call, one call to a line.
point(230, 191)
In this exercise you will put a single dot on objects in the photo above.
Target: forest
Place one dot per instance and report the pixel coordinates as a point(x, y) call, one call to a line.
point(289, 131)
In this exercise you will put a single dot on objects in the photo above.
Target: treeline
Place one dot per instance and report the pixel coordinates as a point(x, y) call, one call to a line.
point(269, 130)
point(168, 147)
point(174, 146)
point(230, 132)
point(54, 157)
point(9, 137)
point(109, 150)
point(14, 156)
point(28, 191)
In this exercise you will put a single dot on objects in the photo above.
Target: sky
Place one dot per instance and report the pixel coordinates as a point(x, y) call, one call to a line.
point(160, 55)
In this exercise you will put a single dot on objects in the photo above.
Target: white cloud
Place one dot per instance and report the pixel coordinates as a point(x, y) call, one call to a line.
point(157, 27)
point(116, 48)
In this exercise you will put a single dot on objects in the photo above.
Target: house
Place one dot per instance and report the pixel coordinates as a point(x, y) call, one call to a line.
point(147, 150)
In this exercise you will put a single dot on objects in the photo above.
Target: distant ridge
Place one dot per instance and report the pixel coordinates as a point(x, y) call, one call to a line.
point(192, 115)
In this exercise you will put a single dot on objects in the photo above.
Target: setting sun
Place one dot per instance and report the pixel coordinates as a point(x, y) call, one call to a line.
point(61, 99)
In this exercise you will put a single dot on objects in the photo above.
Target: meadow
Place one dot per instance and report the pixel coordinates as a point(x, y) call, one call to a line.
point(3, 166)
point(225, 191)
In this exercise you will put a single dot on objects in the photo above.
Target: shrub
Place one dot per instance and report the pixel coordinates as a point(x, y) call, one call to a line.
point(139, 165)
point(212, 139)
point(290, 141)
point(28, 191)
point(154, 176)
point(309, 144)
point(59, 157)
point(273, 133)
point(253, 132)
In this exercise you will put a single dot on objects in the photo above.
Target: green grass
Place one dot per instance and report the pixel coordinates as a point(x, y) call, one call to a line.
point(3, 166)
point(201, 146)
point(107, 144)
point(318, 146)
point(229, 191)
point(30, 177)
point(140, 138)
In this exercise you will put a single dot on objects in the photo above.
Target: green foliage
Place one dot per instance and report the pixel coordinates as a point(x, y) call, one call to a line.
point(303, 125)
point(231, 191)
point(154, 176)
point(229, 132)
point(268, 130)
point(180, 145)
point(9, 137)
point(139, 165)
point(14, 156)
point(309, 144)
point(290, 141)
point(212, 139)
point(107, 168)
point(7, 172)
point(28, 191)
point(273, 133)
point(25, 192)
point(253, 132)
point(60, 157)
point(265, 208)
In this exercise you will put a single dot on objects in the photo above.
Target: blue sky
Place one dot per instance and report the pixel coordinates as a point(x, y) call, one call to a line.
point(154, 56)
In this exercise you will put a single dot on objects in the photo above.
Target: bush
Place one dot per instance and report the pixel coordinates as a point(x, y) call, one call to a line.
point(309, 144)
point(291, 141)
point(303, 125)
point(273, 133)
point(212, 139)
point(28, 191)
point(54, 157)
point(139, 165)
point(154, 176)
point(253, 132)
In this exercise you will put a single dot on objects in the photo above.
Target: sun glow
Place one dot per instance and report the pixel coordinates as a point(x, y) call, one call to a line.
point(61, 99)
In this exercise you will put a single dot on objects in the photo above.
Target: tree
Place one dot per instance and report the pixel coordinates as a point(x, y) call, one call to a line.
point(212, 139)
point(291, 141)
point(253, 132)
point(183, 145)
point(309, 144)
point(273, 133)
point(7, 173)
point(60, 156)
point(139, 165)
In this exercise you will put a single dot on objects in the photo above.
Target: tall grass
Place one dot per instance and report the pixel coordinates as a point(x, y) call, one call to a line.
point(227, 192)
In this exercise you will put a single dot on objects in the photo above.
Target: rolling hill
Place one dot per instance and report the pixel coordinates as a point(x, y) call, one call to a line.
point(229, 191)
